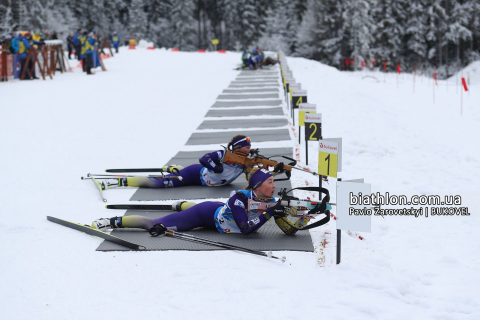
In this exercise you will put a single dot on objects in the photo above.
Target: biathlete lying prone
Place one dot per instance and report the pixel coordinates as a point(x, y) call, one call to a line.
point(238, 215)
point(211, 171)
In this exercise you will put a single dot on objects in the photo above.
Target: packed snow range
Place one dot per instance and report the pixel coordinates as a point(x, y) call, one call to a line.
point(140, 114)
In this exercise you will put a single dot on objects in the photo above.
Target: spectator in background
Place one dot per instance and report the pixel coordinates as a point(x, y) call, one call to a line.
point(36, 36)
point(89, 45)
point(24, 47)
point(77, 44)
point(83, 56)
point(7, 43)
point(70, 45)
point(116, 41)
point(15, 44)
point(54, 35)
point(47, 35)
point(132, 42)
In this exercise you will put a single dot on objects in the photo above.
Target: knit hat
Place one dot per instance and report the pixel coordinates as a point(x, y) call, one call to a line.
point(258, 177)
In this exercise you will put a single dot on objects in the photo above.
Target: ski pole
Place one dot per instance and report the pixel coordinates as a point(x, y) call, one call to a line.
point(188, 237)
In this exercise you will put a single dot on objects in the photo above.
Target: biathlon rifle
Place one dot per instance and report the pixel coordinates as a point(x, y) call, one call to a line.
point(313, 207)
point(254, 158)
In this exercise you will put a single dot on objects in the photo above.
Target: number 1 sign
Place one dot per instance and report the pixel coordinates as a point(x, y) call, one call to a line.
point(327, 158)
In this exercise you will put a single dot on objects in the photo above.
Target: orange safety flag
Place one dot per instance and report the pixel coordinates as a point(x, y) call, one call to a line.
point(398, 69)
point(435, 77)
point(347, 61)
point(363, 64)
point(464, 84)
point(385, 66)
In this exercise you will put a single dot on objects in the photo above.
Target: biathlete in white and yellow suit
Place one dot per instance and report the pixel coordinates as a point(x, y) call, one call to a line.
point(211, 171)
point(243, 212)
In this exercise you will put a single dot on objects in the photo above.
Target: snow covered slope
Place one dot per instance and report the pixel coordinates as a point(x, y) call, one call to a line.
point(143, 110)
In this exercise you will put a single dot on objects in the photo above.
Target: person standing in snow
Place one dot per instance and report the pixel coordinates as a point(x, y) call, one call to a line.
point(89, 47)
point(132, 42)
point(238, 215)
point(70, 45)
point(116, 41)
point(77, 44)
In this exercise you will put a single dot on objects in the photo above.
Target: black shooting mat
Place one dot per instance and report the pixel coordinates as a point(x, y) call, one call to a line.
point(245, 112)
point(257, 79)
point(242, 123)
point(269, 237)
point(257, 73)
point(247, 103)
point(202, 138)
point(259, 83)
point(186, 158)
point(248, 96)
point(250, 90)
point(252, 85)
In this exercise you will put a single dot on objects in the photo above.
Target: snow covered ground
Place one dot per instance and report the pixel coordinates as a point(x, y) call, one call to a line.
point(142, 111)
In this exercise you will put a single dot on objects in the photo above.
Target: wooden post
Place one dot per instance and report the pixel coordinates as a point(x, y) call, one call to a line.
point(3, 61)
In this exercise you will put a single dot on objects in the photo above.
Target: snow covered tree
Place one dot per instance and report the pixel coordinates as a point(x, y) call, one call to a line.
point(7, 23)
point(138, 19)
point(390, 17)
point(457, 27)
point(415, 30)
point(184, 33)
point(158, 29)
point(321, 35)
point(247, 32)
point(358, 23)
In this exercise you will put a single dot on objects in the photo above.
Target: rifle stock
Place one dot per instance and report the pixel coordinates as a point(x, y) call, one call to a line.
point(242, 158)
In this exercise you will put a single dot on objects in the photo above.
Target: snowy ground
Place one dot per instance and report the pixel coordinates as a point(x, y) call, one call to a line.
point(142, 111)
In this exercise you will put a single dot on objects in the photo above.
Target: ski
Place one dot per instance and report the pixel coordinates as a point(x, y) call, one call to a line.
point(96, 233)
point(165, 207)
point(99, 187)
point(120, 176)
point(135, 170)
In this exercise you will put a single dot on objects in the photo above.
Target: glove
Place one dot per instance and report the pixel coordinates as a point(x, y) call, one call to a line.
point(207, 162)
point(279, 168)
point(277, 211)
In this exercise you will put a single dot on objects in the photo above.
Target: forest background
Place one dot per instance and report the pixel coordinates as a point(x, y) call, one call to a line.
point(416, 34)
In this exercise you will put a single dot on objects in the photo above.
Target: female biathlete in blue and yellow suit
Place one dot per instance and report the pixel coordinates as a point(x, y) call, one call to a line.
point(211, 171)
point(238, 215)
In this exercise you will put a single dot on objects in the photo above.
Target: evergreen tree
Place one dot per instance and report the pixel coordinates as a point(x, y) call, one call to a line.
point(7, 23)
point(138, 19)
point(390, 17)
point(359, 25)
point(415, 30)
point(184, 33)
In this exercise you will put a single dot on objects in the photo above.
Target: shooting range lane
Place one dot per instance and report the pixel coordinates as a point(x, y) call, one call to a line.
point(245, 112)
point(270, 82)
point(242, 123)
point(247, 96)
point(247, 103)
point(258, 73)
point(250, 90)
point(257, 79)
point(252, 85)
point(203, 138)
point(269, 237)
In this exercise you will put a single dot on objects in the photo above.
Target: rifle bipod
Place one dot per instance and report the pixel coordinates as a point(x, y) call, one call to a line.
point(189, 237)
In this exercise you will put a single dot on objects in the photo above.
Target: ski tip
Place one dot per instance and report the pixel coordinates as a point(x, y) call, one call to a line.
point(106, 206)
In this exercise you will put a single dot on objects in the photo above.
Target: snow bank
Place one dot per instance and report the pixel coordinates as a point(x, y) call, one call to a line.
point(144, 44)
